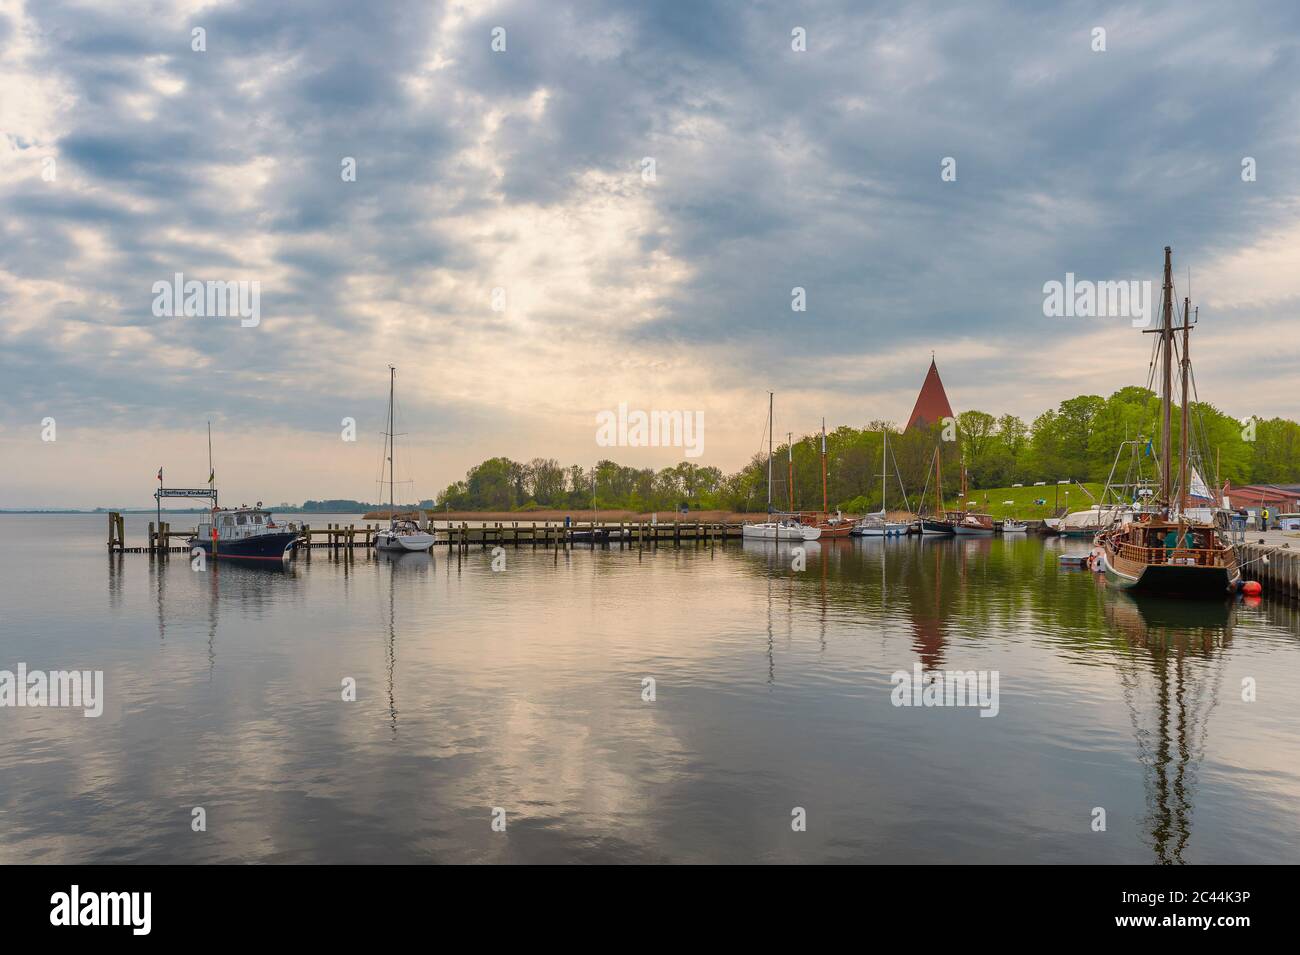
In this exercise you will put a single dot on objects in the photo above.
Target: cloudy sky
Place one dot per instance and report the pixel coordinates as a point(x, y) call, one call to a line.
point(127, 156)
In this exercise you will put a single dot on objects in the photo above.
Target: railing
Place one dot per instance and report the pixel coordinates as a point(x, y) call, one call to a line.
point(1197, 556)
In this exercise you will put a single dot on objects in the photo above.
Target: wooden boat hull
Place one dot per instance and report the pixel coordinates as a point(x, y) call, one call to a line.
point(933, 528)
point(965, 530)
point(835, 531)
point(1173, 580)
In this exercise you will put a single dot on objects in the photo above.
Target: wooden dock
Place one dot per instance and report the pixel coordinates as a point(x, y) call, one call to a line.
point(462, 536)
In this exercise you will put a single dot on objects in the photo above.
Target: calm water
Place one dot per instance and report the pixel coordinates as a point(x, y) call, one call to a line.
point(523, 690)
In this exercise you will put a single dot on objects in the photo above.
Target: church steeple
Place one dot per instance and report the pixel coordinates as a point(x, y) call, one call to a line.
point(932, 403)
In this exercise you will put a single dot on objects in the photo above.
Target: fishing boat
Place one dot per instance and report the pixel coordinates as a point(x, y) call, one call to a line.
point(401, 534)
point(877, 524)
point(778, 527)
point(1166, 550)
point(1011, 526)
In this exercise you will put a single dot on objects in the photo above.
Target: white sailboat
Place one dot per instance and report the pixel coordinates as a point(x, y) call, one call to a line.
point(777, 529)
point(875, 525)
point(403, 535)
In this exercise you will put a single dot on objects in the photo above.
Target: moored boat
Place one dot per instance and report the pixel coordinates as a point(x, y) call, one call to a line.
point(400, 535)
point(974, 525)
point(246, 535)
point(1169, 551)
point(1012, 526)
point(877, 524)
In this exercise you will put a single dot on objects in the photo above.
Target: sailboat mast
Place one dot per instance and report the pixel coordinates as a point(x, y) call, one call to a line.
point(824, 501)
point(212, 484)
point(769, 452)
point(1186, 451)
point(938, 486)
point(392, 502)
point(884, 447)
point(1167, 385)
point(789, 447)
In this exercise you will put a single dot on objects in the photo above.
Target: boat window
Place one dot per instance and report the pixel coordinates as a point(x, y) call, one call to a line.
point(242, 519)
point(257, 518)
point(225, 520)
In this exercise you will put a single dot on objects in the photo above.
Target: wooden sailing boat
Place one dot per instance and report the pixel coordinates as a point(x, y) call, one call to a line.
point(1164, 550)
point(940, 524)
point(404, 535)
point(837, 526)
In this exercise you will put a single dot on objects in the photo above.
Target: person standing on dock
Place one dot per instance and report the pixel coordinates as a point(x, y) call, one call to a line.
point(1263, 519)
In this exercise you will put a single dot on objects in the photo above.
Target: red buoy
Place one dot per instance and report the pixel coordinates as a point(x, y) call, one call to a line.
point(1251, 588)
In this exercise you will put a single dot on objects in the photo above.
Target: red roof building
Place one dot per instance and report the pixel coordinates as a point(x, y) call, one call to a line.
point(932, 403)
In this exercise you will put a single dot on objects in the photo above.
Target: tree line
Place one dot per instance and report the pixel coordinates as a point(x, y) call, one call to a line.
point(1078, 440)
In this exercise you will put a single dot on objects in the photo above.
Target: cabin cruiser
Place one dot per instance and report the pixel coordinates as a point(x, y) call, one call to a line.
point(248, 535)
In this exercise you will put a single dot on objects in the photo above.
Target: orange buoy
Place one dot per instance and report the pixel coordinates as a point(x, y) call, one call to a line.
point(1251, 588)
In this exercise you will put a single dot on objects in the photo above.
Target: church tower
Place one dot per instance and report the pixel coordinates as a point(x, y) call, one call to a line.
point(932, 403)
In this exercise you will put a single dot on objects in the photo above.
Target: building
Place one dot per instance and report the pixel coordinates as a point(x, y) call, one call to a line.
point(932, 403)
point(1255, 497)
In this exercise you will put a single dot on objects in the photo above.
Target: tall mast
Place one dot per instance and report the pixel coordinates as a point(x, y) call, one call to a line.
point(392, 503)
point(1186, 415)
point(769, 453)
point(211, 473)
point(938, 486)
point(789, 446)
point(884, 446)
point(1167, 385)
point(824, 501)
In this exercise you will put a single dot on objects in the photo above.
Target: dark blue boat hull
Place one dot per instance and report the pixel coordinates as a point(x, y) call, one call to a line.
point(263, 550)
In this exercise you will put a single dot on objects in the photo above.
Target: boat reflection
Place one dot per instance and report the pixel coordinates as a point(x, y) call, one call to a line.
point(1171, 671)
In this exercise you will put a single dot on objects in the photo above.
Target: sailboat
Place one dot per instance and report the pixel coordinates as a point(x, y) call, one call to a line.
point(404, 535)
point(1166, 550)
point(875, 525)
point(837, 526)
point(940, 525)
point(779, 528)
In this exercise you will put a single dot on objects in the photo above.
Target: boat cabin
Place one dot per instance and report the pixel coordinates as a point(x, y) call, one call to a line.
point(1161, 542)
point(238, 523)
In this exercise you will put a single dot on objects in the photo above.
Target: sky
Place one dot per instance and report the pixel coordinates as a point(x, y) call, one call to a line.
point(559, 208)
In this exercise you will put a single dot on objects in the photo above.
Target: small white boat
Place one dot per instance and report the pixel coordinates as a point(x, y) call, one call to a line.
point(777, 531)
point(403, 536)
point(875, 525)
point(1010, 526)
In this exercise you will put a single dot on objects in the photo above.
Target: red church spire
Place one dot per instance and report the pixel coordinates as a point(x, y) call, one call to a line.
point(932, 403)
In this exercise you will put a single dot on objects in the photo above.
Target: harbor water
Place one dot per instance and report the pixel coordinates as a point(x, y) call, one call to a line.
point(729, 703)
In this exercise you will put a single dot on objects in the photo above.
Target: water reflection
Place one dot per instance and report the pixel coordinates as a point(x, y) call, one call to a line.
point(1170, 699)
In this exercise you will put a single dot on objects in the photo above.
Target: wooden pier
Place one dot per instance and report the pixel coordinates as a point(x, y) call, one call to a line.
point(462, 536)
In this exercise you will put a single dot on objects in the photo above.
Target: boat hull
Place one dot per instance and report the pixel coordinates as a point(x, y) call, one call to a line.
point(262, 550)
point(403, 543)
point(883, 530)
point(964, 530)
point(1173, 580)
point(933, 528)
point(772, 532)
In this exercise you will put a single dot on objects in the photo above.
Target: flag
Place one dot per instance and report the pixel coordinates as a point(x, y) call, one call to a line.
point(160, 475)
point(1149, 449)
point(212, 476)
